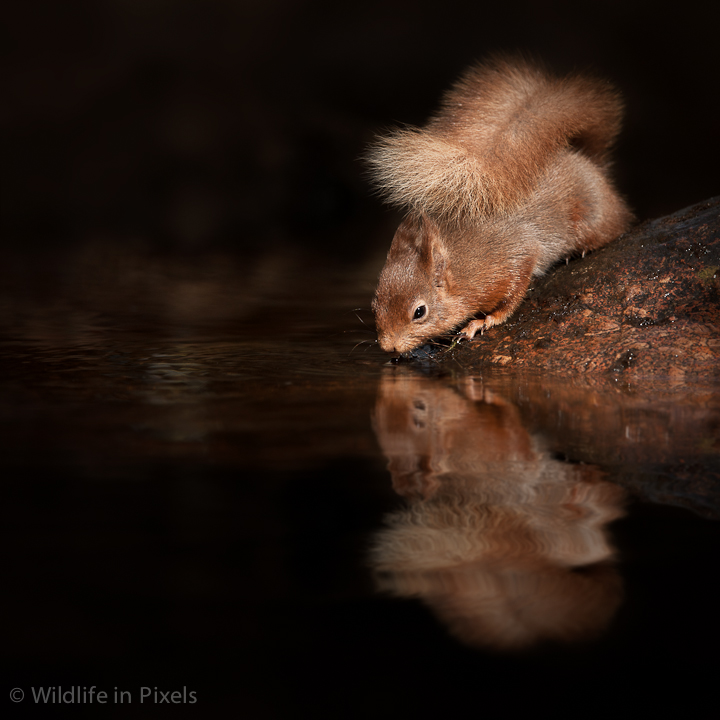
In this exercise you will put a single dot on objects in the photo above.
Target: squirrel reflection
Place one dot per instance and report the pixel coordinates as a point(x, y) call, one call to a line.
point(505, 544)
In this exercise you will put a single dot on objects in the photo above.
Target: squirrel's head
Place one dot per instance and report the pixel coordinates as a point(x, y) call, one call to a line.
point(413, 298)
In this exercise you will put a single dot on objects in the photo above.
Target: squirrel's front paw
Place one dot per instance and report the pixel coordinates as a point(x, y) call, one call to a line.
point(471, 329)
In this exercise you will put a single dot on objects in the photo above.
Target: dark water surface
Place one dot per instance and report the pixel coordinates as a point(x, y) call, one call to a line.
point(209, 489)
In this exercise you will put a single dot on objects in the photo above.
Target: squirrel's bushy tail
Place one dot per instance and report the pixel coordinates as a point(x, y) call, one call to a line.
point(495, 134)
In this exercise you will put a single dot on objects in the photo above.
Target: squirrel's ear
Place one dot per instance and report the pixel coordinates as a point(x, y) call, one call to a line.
point(434, 252)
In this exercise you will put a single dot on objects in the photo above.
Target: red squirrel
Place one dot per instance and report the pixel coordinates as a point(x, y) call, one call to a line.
point(509, 177)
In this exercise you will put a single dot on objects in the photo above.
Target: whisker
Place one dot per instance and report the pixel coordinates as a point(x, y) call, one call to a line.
point(355, 312)
point(362, 342)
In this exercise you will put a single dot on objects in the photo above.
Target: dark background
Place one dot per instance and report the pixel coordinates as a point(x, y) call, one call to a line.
point(240, 124)
point(193, 126)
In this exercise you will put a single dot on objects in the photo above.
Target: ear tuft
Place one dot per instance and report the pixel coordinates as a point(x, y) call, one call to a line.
point(433, 251)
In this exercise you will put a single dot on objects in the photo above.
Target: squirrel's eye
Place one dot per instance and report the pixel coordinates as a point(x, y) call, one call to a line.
point(420, 311)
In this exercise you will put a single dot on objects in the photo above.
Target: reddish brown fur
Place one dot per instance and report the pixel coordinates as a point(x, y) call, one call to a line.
point(506, 544)
point(508, 178)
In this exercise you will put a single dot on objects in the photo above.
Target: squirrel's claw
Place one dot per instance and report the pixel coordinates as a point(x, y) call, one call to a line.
point(471, 329)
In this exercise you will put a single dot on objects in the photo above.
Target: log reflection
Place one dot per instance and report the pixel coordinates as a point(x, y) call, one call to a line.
point(506, 544)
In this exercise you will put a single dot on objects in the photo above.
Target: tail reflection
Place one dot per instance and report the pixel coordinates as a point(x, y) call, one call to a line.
point(504, 543)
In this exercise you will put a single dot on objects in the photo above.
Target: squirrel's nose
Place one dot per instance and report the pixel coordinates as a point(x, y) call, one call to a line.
point(386, 343)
